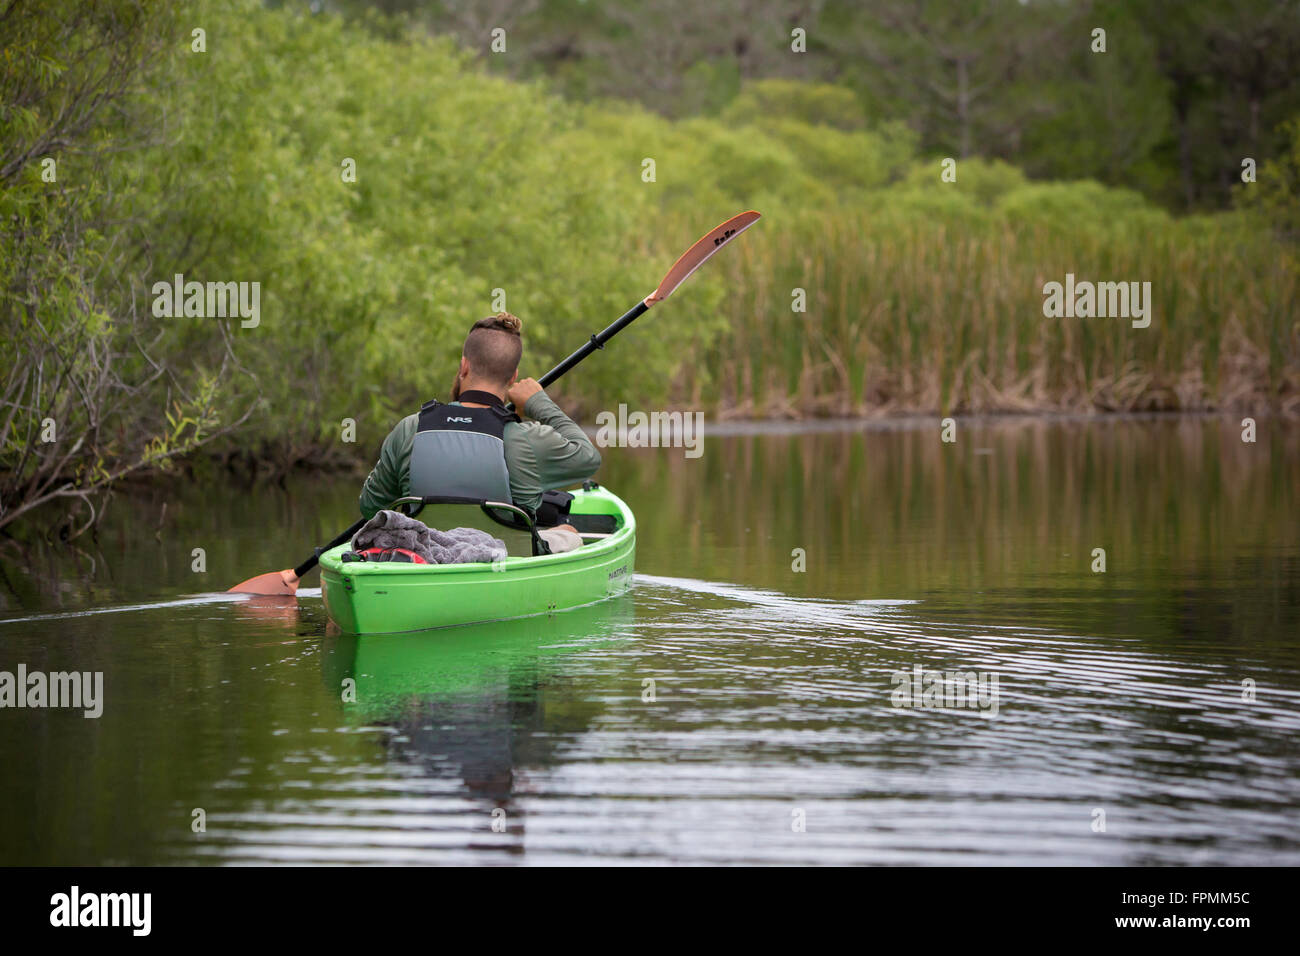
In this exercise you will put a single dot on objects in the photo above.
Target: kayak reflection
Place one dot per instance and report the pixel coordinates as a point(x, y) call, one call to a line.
point(479, 701)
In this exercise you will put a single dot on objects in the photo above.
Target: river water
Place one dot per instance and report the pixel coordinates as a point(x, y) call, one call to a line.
point(744, 703)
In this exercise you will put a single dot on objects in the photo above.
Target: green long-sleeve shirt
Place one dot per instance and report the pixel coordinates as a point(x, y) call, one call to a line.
point(549, 451)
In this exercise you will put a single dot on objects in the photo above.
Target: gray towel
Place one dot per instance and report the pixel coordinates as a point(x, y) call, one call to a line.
point(392, 529)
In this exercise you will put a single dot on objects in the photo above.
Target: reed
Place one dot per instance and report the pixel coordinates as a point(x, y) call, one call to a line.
point(909, 314)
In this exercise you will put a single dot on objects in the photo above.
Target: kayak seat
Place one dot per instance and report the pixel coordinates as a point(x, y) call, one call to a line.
point(511, 524)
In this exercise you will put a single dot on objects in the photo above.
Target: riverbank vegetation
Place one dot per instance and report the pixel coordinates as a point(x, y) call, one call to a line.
point(219, 141)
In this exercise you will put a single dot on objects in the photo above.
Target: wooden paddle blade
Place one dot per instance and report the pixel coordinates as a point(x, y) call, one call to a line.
point(272, 583)
point(698, 254)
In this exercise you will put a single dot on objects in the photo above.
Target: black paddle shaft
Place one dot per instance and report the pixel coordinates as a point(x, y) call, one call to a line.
point(310, 563)
point(592, 344)
point(595, 342)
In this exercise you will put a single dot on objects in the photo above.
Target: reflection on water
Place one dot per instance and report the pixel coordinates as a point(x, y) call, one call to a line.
point(732, 708)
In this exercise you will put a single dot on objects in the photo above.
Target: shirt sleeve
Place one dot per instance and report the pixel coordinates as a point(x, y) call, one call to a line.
point(384, 483)
point(564, 453)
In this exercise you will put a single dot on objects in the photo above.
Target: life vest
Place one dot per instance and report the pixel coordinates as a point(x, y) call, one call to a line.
point(461, 452)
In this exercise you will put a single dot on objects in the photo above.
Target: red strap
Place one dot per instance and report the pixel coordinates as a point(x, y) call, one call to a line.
point(371, 554)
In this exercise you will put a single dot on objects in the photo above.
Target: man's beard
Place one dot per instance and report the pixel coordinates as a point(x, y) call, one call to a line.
point(455, 387)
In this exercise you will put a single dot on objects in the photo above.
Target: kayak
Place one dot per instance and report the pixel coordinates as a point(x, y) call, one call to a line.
point(390, 597)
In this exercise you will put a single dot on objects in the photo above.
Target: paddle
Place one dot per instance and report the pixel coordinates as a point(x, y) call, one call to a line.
point(286, 582)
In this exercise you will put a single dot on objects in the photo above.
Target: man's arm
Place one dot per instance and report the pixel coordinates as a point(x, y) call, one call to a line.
point(563, 452)
point(385, 482)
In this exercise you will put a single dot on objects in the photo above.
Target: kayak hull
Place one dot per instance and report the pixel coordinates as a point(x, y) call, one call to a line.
point(389, 598)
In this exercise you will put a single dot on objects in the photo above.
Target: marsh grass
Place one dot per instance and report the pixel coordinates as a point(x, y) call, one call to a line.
point(921, 315)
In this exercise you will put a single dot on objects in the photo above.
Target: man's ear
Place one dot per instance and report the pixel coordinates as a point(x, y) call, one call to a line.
point(513, 378)
point(464, 366)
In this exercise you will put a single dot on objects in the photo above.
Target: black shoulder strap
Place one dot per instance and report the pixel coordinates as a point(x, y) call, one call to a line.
point(491, 420)
point(427, 411)
point(491, 401)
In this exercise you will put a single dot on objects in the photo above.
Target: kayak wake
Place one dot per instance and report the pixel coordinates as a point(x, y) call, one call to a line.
point(195, 601)
point(821, 610)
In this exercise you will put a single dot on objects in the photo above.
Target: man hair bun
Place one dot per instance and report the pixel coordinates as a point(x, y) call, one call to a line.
point(501, 322)
point(508, 323)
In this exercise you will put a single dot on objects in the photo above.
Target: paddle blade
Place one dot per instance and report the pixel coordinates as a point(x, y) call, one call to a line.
point(272, 583)
point(698, 254)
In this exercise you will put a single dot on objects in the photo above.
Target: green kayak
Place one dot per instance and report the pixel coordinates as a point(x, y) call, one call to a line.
point(388, 598)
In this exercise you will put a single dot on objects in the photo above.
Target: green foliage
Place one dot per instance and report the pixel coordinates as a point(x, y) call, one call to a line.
point(980, 181)
point(1181, 92)
point(922, 295)
point(87, 393)
point(814, 104)
point(1081, 208)
point(466, 183)
point(1105, 115)
point(1276, 192)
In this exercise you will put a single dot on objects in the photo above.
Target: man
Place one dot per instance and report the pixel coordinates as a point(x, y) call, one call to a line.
point(475, 448)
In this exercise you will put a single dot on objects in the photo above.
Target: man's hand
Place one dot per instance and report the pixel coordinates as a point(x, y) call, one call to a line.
point(520, 392)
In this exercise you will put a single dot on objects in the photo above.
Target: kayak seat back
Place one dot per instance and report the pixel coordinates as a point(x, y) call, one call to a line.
point(511, 524)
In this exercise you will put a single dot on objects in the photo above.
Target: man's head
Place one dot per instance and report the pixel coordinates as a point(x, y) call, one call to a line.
point(490, 358)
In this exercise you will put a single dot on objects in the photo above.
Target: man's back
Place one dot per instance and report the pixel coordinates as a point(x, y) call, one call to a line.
point(549, 451)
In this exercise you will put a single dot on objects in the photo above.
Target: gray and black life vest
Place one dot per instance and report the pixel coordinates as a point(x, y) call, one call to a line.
point(460, 452)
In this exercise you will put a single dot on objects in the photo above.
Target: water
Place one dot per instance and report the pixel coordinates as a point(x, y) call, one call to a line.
point(771, 736)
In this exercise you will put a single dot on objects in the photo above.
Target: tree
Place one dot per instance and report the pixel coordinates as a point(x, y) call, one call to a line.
point(1230, 65)
point(86, 395)
point(968, 76)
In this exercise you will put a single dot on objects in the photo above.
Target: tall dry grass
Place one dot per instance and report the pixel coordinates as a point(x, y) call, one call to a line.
point(914, 314)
